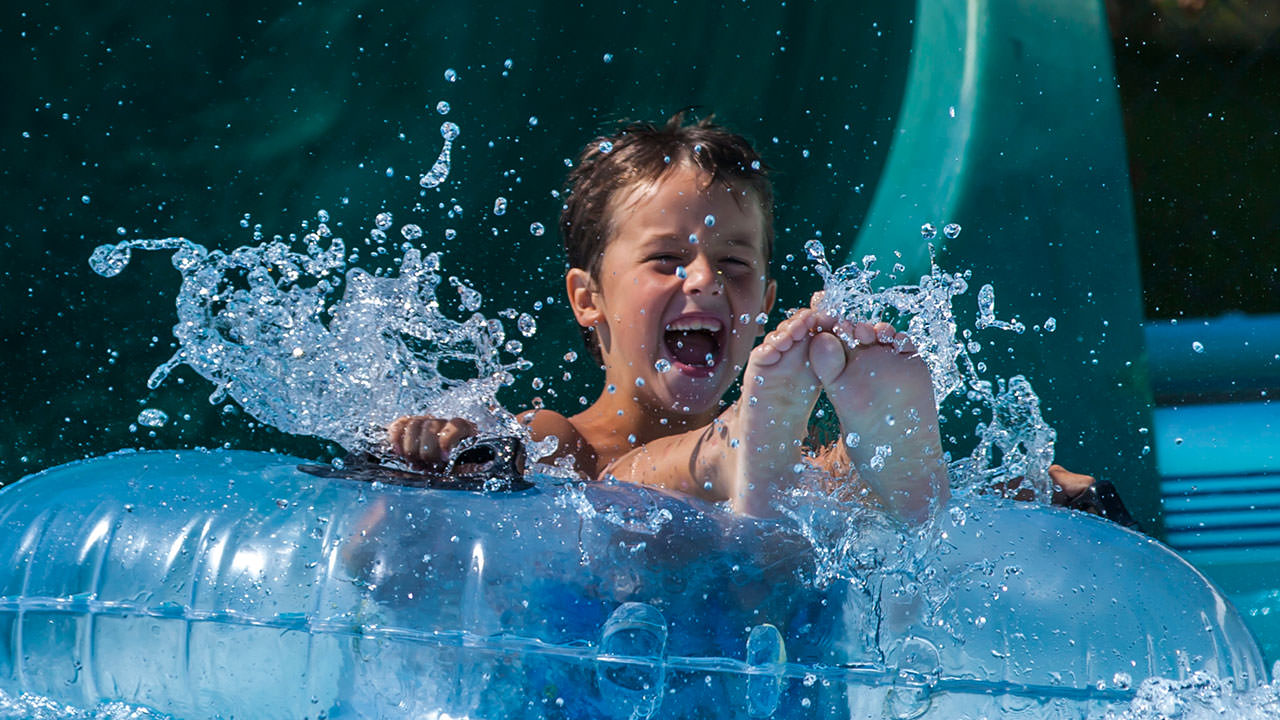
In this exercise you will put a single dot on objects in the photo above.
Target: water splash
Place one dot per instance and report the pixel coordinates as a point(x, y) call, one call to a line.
point(37, 707)
point(439, 171)
point(1200, 696)
point(273, 329)
point(1015, 442)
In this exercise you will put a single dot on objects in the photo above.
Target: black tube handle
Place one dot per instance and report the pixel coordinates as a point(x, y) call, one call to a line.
point(478, 464)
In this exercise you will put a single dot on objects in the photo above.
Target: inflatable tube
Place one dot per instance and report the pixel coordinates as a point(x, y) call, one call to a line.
point(230, 584)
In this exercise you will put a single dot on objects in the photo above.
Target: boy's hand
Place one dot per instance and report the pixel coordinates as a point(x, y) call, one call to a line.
point(427, 441)
point(1067, 485)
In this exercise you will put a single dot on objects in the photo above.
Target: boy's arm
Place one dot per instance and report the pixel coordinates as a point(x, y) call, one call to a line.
point(571, 444)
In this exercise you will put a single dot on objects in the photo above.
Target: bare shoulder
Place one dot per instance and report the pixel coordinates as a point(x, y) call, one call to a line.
point(543, 423)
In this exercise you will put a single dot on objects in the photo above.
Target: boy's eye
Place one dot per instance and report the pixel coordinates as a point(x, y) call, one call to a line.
point(667, 259)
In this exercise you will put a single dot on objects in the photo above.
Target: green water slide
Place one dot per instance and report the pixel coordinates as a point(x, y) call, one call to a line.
point(1011, 128)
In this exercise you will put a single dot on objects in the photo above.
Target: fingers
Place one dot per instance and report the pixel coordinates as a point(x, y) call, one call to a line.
point(426, 439)
point(454, 432)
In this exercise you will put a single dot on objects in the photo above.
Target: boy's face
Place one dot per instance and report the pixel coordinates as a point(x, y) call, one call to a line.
point(676, 314)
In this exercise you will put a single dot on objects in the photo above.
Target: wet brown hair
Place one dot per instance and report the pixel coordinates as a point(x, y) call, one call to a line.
point(639, 153)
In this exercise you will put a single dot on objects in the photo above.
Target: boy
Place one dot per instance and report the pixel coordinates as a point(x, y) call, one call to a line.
point(668, 232)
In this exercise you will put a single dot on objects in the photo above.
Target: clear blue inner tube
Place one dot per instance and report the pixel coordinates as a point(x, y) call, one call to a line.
point(225, 583)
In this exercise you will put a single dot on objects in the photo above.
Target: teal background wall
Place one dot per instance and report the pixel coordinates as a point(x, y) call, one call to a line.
point(177, 119)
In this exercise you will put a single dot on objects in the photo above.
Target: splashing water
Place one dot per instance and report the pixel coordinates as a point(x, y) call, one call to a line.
point(265, 325)
point(439, 172)
point(1200, 697)
point(1016, 442)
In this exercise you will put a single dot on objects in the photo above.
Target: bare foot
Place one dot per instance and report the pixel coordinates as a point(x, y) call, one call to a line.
point(771, 418)
point(883, 395)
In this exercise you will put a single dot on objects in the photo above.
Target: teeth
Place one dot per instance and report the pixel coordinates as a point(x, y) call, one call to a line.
point(695, 324)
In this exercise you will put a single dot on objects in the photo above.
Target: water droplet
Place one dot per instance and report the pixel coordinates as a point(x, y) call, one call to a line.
point(122, 231)
point(681, 272)
point(439, 171)
point(450, 233)
point(928, 231)
point(507, 63)
point(1197, 346)
point(536, 229)
point(815, 251)
point(442, 107)
point(608, 58)
point(533, 121)
point(383, 221)
point(152, 417)
point(877, 459)
point(322, 216)
point(639, 382)
point(109, 260)
point(411, 232)
point(1050, 324)
point(611, 388)
point(693, 238)
point(84, 199)
point(500, 206)
point(762, 318)
point(606, 147)
point(527, 325)
point(1178, 441)
point(451, 75)
point(951, 230)
point(852, 439)
point(744, 318)
point(662, 365)
point(709, 220)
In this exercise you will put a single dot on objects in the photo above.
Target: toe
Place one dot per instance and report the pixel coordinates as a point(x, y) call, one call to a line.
point(826, 357)
point(864, 333)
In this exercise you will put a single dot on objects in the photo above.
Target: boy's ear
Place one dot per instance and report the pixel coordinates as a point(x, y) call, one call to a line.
point(582, 297)
point(770, 295)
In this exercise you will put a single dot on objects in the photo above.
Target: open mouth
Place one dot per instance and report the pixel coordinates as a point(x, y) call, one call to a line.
point(695, 344)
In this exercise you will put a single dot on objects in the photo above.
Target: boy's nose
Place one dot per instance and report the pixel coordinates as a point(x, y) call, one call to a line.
point(701, 277)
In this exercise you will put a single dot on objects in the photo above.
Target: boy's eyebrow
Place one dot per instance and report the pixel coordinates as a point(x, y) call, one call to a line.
point(737, 240)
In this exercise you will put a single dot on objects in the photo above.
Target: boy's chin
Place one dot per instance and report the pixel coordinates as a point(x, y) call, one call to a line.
point(704, 396)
